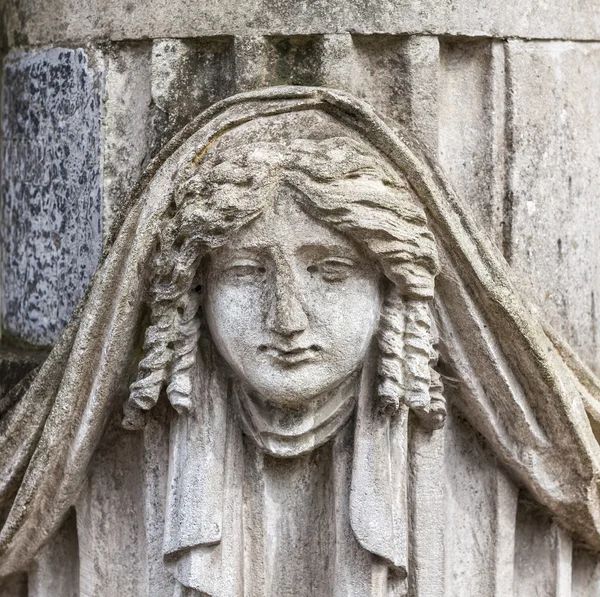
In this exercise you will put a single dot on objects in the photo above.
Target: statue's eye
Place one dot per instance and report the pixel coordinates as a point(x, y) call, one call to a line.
point(333, 269)
point(246, 270)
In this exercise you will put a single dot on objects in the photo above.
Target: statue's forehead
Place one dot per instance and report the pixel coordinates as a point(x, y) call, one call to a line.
point(285, 224)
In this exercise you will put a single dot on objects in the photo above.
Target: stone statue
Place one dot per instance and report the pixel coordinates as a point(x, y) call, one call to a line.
point(300, 275)
point(300, 254)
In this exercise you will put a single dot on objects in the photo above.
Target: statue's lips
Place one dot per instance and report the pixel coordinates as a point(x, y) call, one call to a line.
point(291, 356)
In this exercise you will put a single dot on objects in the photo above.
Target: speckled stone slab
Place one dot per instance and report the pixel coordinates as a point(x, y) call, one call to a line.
point(51, 225)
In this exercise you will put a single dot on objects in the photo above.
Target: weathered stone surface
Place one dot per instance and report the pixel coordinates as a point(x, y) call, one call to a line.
point(51, 188)
point(471, 127)
point(127, 128)
point(45, 22)
point(400, 76)
point(326, 60)
point(552, 239)
point(250, 62)
point(586, 574)
point(15, 364)
point(543, 556)
point(14, 585)
point(481, 505)
point(155, 475)
point(383, 76)
point(56, 569)
point(110, 521)
point(187, 76)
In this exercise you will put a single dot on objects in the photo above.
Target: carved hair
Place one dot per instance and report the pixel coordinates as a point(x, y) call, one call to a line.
point(338, 181)
point(407, 359)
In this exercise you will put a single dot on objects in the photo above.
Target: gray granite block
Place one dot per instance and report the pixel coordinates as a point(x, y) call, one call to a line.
point(51, 218)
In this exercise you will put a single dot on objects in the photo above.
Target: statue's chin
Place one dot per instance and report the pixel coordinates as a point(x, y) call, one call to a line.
point(297, 387)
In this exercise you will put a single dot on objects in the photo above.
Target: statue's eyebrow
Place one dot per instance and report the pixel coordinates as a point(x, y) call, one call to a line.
point(264, 245)
point(328, 248)
point(246, 246)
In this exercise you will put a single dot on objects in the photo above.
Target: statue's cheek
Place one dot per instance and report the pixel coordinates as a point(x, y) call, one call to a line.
point(350, 308)
point(234, 316)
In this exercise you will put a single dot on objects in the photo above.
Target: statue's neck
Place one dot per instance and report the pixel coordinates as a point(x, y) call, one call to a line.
point(286, 432)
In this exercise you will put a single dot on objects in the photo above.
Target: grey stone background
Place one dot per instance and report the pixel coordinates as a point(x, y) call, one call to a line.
point(506, 96)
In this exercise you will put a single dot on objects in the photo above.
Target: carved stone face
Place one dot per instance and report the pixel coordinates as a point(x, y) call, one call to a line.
point(291, 305)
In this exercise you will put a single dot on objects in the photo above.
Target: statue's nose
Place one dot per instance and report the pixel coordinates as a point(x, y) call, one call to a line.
point(287, 314)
